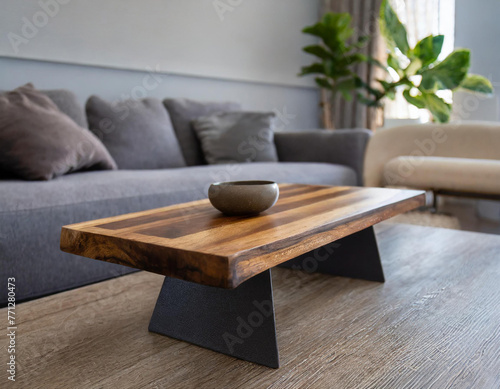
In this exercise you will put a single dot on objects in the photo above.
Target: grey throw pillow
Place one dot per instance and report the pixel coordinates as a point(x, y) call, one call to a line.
point(39, 142)
point(228, 137)
point(182, 112)
point(137, 133)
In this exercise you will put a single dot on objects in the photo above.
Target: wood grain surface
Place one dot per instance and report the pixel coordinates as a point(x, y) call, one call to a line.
point(434, 324)
point(195, 242)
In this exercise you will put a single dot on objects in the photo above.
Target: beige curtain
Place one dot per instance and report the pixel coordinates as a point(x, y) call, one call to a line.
point(364, 13)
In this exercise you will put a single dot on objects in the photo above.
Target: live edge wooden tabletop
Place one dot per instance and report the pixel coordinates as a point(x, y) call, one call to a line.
point(195, 242)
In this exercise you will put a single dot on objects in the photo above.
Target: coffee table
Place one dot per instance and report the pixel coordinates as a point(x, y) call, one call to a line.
point(218, 291)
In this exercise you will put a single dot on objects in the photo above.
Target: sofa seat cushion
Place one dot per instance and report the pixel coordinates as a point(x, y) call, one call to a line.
point(133, 188)
point(466, 175)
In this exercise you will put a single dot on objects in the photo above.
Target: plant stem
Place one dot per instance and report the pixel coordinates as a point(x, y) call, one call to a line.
point(326, 109)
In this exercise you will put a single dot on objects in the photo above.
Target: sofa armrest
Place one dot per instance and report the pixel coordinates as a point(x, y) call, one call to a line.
point(344, 147)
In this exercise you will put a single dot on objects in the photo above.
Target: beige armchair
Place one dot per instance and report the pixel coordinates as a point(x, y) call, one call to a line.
point(454, 159)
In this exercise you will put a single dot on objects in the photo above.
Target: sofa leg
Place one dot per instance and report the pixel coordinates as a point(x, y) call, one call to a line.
point(434, 208)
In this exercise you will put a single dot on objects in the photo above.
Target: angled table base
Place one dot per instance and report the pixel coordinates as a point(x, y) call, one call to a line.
point(355, 256)
point(240, 322)
point(237, 322)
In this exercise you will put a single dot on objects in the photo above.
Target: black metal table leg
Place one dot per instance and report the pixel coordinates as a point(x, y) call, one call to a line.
point(237, 322)
point(355, 256)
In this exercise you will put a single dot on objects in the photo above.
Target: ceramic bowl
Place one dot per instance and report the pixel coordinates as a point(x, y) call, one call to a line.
point(238, 198)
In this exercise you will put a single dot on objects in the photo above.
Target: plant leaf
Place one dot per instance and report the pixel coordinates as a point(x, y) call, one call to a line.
point(312, 69)
point(318, 51)
point(317, 29)
point(372, 91)
point(392, 29)
point(354, 58)
point(448, 74)
point(476, 83)
point(341, 22)
point(440, 109)
point(334, 29)
point(417, 101)
point(386, 85)
point(323, 83)
point(346, 85)
point(366, 101)
point(393, 62)
point(389, 89)
point(428, 49)
point(327, 34)
point(414, 66)
point(336, 68)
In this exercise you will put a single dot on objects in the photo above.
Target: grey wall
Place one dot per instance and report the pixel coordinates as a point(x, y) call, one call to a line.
point(299, 103)
point(251, 55)
point(477, 28)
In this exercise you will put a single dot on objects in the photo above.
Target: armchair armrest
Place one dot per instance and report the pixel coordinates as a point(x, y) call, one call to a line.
point(344, 147)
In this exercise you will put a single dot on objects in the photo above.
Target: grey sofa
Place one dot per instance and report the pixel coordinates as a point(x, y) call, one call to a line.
point(32, 213)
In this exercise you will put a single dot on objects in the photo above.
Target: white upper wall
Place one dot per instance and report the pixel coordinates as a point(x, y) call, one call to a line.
point(245, 40)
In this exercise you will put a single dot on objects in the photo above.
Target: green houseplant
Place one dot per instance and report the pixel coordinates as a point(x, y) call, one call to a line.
point(335, 59)
point(416, 70)
point(419, 73)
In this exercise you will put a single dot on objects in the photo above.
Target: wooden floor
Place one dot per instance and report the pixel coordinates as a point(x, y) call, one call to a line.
point(435, 323)
point(466, 213)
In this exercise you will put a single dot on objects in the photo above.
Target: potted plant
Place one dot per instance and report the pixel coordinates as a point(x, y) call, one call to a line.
point(335, 59)
point(417, 71)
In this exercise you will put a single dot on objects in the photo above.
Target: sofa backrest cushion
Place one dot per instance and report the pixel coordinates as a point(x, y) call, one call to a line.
point(39, 142)
point(137, 133)
point(182, 112)
point(465, 139)
point(67, 103)
point(235, 137)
